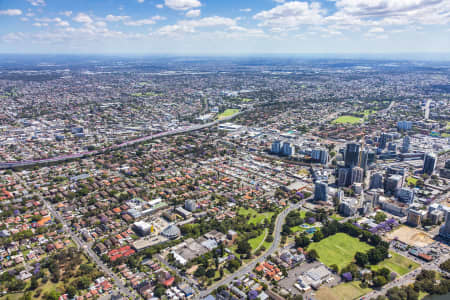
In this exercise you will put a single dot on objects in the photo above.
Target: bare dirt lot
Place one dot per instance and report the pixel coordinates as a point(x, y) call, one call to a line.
point(410, 236)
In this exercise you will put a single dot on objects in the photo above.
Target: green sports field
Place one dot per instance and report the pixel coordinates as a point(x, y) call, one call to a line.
point(347, 120)
point(227, 113)
point(339, 249)
point(343, 291)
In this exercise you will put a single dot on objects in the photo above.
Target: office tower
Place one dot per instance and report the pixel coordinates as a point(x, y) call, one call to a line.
point(429, 163)
point(406, 143)
point(376, 181)
point(371, 157)
point(340, 196)
point(320, 191)
point(404, 125)
point(364, 160)
point(320, 155)
point(447, 164)
point(445, 229)
point(392, 147)
point(351, 155)
point(276, 147)
point(383, 140)
point(287, 150)
point(357, 175)
point(445, 172)
point(343, 174)
point(393, 183)
point(405, 195)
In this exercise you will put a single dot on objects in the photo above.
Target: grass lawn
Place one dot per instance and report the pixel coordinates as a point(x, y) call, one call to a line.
point(256, 217)
point(246, 99)
point(227, 113)
point(343, 291)
point(398, 264)
point(336, 217)
point(411, 180)
point(347, 120)
point(339, 249)
point(257, 241)
point(422, 295)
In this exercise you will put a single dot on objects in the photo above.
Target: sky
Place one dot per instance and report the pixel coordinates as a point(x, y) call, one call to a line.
point(221, 27)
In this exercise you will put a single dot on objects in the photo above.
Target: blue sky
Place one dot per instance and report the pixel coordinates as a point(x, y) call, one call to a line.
point(224, 26)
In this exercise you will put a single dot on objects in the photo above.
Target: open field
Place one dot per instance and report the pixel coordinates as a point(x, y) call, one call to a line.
point(227, 113)
point(339, 249)
point(343, 291)
point(410, 236)
point(398, 264)
point(258, 241)
point(347, 120)
point(256, 217)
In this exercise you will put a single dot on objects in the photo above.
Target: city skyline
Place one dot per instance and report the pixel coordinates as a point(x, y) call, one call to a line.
point(186, 27)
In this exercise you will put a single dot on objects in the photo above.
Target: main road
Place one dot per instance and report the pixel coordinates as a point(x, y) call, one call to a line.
point(87, 249)
point(247, 268)
point(56, 159)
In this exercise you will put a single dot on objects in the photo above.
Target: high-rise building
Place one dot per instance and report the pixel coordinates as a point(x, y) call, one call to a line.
point(321, 191)
point(445, 172)
point(287, 150)
point(445, 229)
point(357, 175)
point(393, 183)
point(392, 147)
point(376, 181)
point(404, 125)
point(383, 140)
point(405, 195)
point(364, 160)
point(351, 155)
point(406, 143)
point(320, 155)
point(429, 163)
point(371, 157)
point(343, 175)
point(276, 147)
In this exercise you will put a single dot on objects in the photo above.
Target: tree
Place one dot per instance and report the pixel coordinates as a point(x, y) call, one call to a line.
point(244, 247)
point(200, 271)
point(71, 291)
point(210, 273)
point(53, 295)
point(312, 255)
point(335, 268)
point(34, 283)
point(302, 240)
point(361, 259)
point(445, 265)
point(379, 281)
point(318, 236)
point(159, 291)
point(380, 217)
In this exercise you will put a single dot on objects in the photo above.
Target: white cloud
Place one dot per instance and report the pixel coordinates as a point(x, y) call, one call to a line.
point(193, 13)
point(13, 36)
point(10, 12)
point(159, 6)
point(113, 18)
point(39, 24)
point(182, 4)
point(37, 2)
point(140, 1)
point(148, 21)
point(376, 30)
point(245, 10)
point(66, 13)
point(63, 24)
point(140, 22)
point(291, 15)
point(279, 1)
point(190, 26)
point(82, 18)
